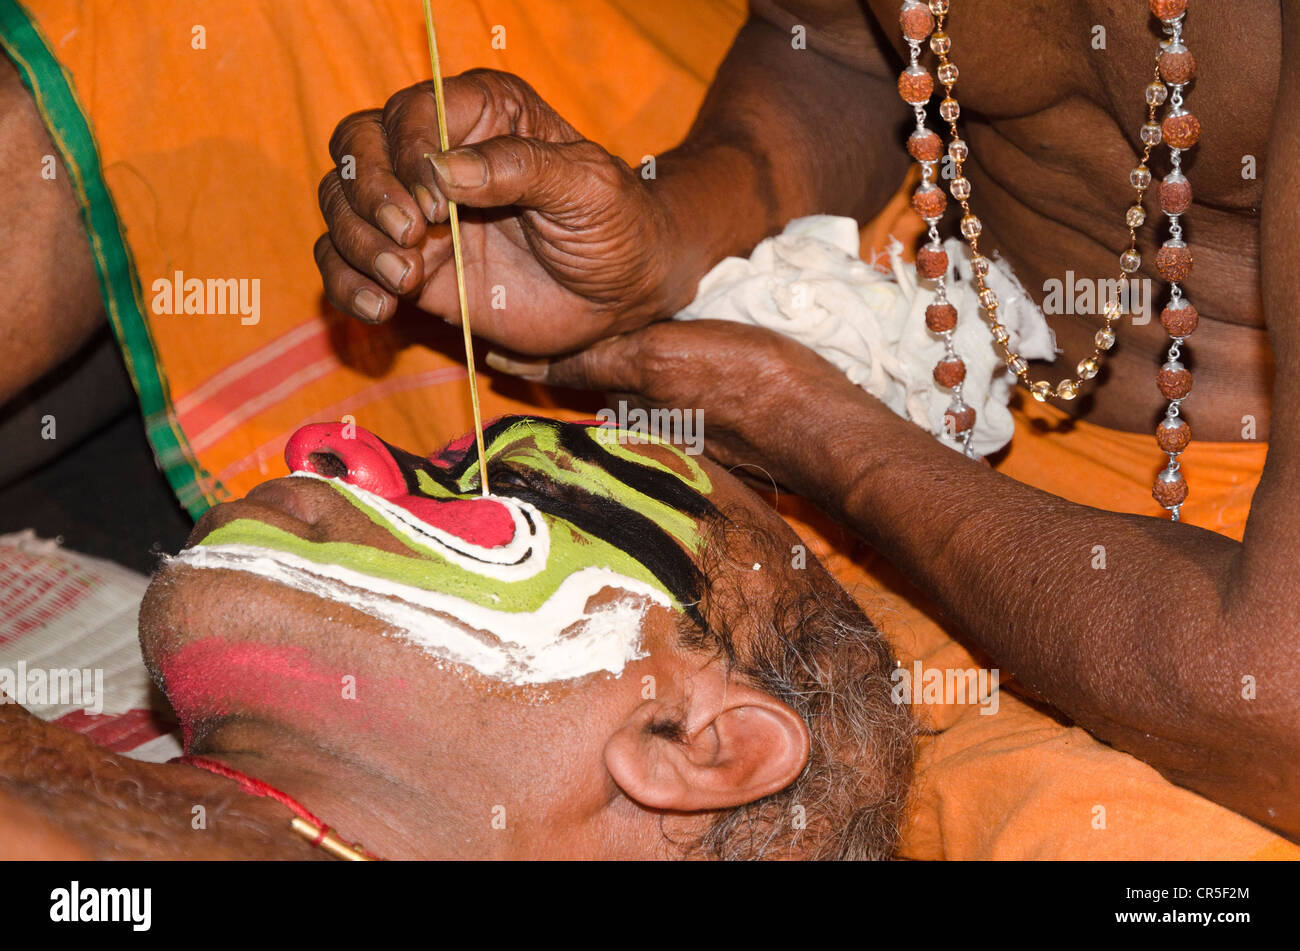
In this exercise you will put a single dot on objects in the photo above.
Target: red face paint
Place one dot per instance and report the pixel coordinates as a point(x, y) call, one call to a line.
point(364, 460)
point(215, 677)
point(453, 451)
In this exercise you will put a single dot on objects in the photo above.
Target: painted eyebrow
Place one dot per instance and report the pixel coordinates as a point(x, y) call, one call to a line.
point(602, 517)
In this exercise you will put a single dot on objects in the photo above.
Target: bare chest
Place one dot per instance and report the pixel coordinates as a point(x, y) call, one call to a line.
point(1051, 95)
point(1031, 68)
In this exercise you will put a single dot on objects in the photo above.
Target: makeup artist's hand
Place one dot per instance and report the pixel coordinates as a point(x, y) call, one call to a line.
point(768, 401)
point(563, 242)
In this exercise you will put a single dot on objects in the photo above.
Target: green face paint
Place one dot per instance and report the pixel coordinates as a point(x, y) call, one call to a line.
point(587, 514)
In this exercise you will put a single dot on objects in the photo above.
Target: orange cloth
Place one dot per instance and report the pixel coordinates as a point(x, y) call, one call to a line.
point(1113, 470)
point(212, 157)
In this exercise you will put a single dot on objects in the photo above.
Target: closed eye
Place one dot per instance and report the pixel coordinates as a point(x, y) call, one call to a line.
point(507, 477)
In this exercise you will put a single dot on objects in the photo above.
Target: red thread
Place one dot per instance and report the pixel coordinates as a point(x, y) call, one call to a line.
point(257, 788)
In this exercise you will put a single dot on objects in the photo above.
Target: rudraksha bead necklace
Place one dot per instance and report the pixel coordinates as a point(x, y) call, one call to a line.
point(1180, 130)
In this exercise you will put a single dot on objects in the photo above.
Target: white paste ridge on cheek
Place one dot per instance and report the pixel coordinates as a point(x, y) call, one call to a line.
point(601, 643)
point(523, 647)
point(523, 557)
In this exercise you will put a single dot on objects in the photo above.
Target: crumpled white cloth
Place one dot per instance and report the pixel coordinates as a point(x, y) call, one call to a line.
point(809, 283)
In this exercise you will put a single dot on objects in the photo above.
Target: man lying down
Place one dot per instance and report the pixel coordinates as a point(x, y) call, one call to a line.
point(611, 656)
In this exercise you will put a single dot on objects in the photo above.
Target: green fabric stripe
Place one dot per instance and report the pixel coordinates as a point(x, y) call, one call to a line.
point(119, 284)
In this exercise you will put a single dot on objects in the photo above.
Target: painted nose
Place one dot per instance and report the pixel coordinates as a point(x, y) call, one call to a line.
point(361, 458)
point(346, 452)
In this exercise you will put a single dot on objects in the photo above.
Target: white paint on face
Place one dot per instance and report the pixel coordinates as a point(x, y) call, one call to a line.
point(561, 640)
point(523, 557)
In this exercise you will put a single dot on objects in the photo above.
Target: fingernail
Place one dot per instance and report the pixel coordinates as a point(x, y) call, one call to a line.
point(534, 370)
point(395, 221)
point(427, 203)
point(368, 304)
point(392, 269)
point(461, 168)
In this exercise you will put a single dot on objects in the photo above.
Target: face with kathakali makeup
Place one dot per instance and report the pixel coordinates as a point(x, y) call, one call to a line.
point(442, 673)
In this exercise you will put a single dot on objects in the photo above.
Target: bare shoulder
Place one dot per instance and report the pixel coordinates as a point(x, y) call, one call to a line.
point(58, 792)
point(53, 302)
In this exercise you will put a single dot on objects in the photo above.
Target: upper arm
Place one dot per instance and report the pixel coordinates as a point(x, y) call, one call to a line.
point(26, 835)
point(51, 304)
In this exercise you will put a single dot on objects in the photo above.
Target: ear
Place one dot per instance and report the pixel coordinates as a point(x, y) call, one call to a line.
point(737, 744)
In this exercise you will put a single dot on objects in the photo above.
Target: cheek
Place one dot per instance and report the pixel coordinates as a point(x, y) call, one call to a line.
point(212, 677)
point(274, 654)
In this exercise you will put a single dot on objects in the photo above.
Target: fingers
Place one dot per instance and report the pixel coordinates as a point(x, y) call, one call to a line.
point(550, 177)
point(359, 147)
point(535, 371)
point(410, 120)
point(348, 289)
point(379, 200)
point(368, 259)
point(360, 244)
point(609, 364)
point(481, 104)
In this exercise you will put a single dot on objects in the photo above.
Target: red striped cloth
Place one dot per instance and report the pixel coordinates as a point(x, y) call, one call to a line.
point(69, 649)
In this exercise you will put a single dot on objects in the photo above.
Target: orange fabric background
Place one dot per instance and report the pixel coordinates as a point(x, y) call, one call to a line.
point(213, 157)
